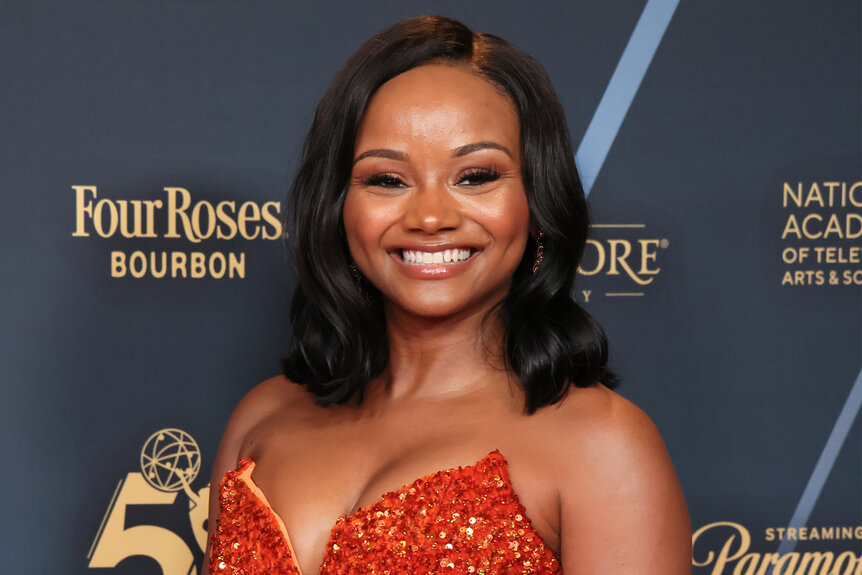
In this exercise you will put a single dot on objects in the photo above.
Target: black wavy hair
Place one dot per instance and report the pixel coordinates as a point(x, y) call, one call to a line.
point(339, 340)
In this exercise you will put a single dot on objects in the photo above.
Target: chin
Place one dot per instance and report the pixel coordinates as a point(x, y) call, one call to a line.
point(437, 308)
point(433, 311)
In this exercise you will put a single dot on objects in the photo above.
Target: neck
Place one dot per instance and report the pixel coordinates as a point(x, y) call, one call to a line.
point(443, 358)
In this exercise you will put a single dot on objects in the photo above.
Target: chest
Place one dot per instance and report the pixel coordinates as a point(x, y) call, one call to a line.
point(466, 518)
point(329, 482)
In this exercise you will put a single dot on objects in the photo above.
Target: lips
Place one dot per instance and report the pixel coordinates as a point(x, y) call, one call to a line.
point(447, 256)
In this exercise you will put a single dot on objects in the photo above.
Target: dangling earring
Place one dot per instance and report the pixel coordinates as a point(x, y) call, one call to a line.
point(540, 250)
point(354, 271)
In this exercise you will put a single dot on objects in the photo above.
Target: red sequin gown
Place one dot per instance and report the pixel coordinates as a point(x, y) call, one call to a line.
point(463, 520)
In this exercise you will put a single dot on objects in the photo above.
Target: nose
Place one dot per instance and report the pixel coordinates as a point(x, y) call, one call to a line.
point(431, 209)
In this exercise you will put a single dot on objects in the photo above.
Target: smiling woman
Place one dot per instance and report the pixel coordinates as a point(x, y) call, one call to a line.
point(420, 190)
point(439, 221)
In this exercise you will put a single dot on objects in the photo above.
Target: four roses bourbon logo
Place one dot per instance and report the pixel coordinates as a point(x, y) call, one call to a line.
point(156, 513)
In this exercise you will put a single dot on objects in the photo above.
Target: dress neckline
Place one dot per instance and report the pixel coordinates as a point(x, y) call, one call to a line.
point(492, 459)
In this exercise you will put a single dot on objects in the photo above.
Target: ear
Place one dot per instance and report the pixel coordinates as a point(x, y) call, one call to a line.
point(534, 229)
point(536, 233)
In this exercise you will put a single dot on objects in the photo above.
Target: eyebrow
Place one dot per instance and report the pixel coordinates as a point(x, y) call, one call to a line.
point(382, 153)
point(475, 147)
point(390, 154)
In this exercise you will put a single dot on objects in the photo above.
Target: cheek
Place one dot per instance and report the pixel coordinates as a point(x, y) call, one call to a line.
point(511, 217)
point(516, 219)
point(519, 210)
point(356, 226)
point(349, 219)
point(365, 221)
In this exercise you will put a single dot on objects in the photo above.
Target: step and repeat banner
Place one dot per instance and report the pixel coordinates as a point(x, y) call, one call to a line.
point(147, 147)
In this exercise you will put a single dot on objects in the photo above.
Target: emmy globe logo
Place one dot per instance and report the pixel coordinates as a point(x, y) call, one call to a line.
point(156, 513)
point(170, 461)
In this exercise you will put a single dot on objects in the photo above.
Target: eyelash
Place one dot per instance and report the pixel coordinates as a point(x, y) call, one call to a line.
point(383, 180)
point(479, 176)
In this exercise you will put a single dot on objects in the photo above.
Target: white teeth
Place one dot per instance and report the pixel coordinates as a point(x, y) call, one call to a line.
point(442, 257)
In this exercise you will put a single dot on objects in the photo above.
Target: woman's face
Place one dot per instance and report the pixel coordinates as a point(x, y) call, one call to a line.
point(436, 215)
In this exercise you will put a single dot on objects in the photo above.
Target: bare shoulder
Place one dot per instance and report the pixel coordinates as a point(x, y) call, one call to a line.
point(622, 508)
point(276, 394)
point(597, 419)
point(275, 397)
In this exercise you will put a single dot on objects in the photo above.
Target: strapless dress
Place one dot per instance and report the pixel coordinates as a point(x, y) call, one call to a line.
point(461, 520)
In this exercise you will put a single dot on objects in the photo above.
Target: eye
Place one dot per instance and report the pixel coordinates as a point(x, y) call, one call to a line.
point(479, 176)
point(384, 181)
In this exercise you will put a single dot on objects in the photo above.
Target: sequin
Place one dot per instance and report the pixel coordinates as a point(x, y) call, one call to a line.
point(249, 538)
point(463, 520)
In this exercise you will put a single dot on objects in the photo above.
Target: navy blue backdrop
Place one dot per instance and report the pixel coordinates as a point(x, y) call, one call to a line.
point(722, 146)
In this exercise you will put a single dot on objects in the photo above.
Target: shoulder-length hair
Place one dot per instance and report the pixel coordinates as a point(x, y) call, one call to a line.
point(339, 341)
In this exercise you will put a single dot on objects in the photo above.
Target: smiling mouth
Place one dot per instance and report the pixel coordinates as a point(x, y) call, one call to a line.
point(455, 256)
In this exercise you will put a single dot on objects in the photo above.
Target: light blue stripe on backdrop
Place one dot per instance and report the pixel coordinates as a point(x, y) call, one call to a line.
point(824, 464)
point(622, 88)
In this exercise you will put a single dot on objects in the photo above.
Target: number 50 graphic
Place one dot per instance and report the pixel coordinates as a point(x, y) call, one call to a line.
point(170, 461)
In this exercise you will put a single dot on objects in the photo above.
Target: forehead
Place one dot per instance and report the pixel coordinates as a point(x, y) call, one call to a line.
point(442, 103)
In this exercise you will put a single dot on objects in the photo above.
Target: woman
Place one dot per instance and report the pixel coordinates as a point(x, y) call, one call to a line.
point(439, 221)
